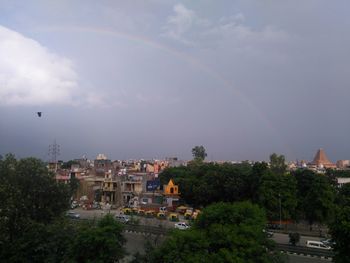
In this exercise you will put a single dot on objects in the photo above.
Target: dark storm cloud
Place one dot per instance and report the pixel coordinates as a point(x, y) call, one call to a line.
point(243, 78)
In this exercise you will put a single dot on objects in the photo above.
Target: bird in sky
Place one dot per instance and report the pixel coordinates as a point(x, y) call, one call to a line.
point(39, 114)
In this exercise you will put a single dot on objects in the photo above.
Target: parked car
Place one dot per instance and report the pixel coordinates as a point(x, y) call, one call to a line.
point(122, 218)
point(73, 215)
point(181, 226)
point(317, 244)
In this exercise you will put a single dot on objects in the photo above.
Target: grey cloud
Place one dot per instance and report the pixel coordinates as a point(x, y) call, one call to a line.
point(243, 78)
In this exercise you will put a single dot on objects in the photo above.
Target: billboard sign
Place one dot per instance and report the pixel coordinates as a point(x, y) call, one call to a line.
point(152, 185)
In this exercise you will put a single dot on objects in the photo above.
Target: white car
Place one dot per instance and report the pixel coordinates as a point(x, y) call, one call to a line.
point(181, 225)
point(122, 218)
point(72, 215)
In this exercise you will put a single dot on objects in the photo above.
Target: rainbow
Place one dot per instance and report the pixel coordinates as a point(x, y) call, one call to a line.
point(180, 55)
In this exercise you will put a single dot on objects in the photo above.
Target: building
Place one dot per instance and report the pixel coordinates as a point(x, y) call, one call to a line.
point(321, 160)
point(111, 190)
point(342, 181)
point(171, 194)
point(131, 187)
point(102, 165)
point(343, 164)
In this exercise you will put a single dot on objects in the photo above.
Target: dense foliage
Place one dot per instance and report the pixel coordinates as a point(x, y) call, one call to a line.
point(302, 194)
point(100, 242)
point(340, 226)
point(28, 193)
point(224, 232)
point(340, 231)
point(32, 223)
point(199, 153)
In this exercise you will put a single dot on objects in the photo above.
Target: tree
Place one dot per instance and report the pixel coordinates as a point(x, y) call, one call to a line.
point(28, 193)
point(101, 242)
point(278, 164)
point(318, 203)
point(199, 153)
point(32, 225)
point(340, 231)
point(73, 185)
point(205, 183)
point(343, 195)
point(294, 238)
point(41, 243)
point(278, 192)
point(223, 232)
point(316, 196)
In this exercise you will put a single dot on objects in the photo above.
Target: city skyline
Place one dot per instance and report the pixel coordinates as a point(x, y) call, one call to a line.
point(148, 80)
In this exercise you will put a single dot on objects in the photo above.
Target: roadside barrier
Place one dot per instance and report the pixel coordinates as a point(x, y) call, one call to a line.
point(146, 229)
point(305, 251)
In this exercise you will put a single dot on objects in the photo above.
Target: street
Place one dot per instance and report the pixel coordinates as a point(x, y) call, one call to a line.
point(306, 259)
point(284, 239)
point(136, 241)
point(91, 214)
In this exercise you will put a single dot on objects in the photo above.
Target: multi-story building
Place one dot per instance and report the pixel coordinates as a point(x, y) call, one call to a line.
point(343, 164)
point(102, 165)
point(111, 190)
point(131, 187)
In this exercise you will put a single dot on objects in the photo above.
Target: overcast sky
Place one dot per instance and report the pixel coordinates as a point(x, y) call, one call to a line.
point(152, 79)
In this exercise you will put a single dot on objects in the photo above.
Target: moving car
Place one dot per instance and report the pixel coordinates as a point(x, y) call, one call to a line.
point(72, 215)
point(181, 226)
point(317, 244)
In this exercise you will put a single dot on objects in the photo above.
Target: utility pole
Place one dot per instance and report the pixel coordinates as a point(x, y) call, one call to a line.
point(279, 195)
point(54, 151)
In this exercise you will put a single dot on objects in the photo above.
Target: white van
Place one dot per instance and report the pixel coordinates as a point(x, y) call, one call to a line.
point(317, 244)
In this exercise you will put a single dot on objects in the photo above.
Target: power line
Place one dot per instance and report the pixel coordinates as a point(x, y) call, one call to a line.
point(54, 151)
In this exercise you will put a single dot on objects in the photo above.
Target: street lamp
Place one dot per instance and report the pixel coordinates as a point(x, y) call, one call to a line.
point(279, 195)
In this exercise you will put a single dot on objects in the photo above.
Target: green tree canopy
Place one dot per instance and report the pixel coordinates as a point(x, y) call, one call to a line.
point(343, 195)
point(28, 192)
point(102, 242)
point(207, 183)
point(199, 153)
point(278, 191)
point(278, 164)
point(224, 232)
point(316, 196)
point(340, 231)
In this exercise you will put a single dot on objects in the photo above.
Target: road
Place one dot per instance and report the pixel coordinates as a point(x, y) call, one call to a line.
point(136, 241)
point(91, 214)
point(306, 259)
point(284, 239)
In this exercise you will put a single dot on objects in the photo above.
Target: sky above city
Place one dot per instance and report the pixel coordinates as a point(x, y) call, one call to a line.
point(152, 79)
